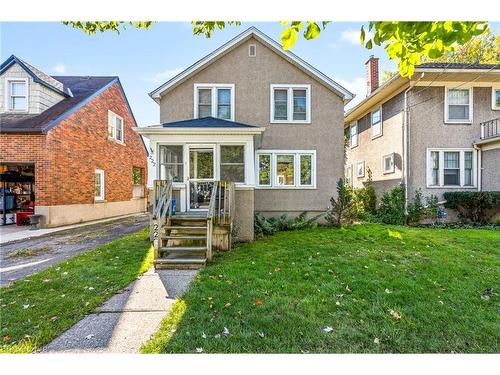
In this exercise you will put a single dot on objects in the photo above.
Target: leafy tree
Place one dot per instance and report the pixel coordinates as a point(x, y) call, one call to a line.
point(483, 49)
point(406, 42)
point(387, 75)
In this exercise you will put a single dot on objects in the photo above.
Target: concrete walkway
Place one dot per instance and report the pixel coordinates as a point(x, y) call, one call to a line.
point(128, 319)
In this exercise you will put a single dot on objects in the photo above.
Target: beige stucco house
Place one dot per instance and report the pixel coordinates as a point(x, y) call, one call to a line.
point(255, 114)
point(438, 131)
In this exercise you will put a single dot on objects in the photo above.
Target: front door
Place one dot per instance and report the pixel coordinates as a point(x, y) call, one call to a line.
point(201, 176)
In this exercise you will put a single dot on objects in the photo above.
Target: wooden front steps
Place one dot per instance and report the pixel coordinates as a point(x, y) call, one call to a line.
point(183, 242)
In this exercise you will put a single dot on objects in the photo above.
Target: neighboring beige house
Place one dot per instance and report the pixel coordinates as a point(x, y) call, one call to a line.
point(251, 113)
point(438, 131)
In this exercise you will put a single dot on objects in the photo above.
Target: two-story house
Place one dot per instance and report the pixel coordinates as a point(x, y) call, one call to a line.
point(438, 131)
point(251, 113)
point(68, 151)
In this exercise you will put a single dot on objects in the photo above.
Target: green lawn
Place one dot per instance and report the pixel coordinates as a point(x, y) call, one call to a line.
point(379, 288)
point(38, 308)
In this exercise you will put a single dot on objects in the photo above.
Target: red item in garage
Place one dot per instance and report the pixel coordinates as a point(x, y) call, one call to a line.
point(22, 218)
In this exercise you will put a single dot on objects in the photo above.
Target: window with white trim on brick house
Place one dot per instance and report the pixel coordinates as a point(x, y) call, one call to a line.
point(115, 127)
point(98, 185)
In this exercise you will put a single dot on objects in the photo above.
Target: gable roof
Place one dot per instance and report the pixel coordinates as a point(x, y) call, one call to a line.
point(37, 75)
point(448, 66)
point(84, 89)
point(206, 122)
point(266, 40)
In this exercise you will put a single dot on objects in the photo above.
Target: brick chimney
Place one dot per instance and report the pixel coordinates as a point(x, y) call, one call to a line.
point(371, 75)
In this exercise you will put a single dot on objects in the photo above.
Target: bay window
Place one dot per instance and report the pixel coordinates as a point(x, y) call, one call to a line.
point(290, 103)
point(458, 105)
point(286, 169)
point(214, 100)
point(451, 168)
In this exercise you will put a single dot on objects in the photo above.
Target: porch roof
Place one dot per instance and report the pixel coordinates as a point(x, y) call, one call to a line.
point(206, 122)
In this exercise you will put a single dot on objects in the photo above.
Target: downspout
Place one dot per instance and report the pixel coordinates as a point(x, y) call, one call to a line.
point(406, 139)
point(479, 166)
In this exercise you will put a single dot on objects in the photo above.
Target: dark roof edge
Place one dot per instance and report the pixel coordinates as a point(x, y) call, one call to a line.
point(14, 60)
point(21, 131)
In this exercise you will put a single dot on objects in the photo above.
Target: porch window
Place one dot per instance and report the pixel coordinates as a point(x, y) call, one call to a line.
point(214, 100)
point(171, 163)
point(451, 168)
point(458, 105)
point(290, 103)
point(18, 95)
point(286, 169)
point(98, 185)
point(264, 166)
point(232, 163)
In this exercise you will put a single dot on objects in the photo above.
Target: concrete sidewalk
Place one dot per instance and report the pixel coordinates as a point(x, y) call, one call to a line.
point(128, 319)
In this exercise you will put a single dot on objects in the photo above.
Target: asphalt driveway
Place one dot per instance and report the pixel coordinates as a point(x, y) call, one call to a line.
point(23, 258)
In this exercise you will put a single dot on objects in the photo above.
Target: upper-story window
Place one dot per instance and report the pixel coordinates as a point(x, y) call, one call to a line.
point(291, 104)
point(353, 134)
point(495, 98)
point(458, 105)
point(376, 122)
point(115, 127)
point(17, 94)
point(214, 100)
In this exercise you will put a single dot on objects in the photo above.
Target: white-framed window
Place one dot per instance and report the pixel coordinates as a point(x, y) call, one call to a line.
point(495, 98)
point(290, 104)
point(99, 185)
point(232, 163)
point(353, 134)
point(252, 50)
point(360, 169)
point(451, 168)
point(16, 98)
point(214, 100)
point(458, 105)
point(388, 163)
point(283, 169)
point(348, 175)
point(115, 127)
point(376, 122)
point(171, 163)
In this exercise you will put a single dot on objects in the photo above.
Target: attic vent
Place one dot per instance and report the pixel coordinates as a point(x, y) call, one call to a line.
point(252, 50)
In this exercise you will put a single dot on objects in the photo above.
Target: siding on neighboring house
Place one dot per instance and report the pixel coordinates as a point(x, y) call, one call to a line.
point(372, 151)
point(40, 97)
point(428, 130)
point(252, 77)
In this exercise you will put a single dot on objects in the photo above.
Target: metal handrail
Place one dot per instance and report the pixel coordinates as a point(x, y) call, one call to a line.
point(490, 128)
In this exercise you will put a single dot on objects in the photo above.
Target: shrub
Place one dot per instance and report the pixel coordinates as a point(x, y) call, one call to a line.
point(476, 207)
point(268, 226)
point(418, 211)
point(342, 210)
point(392, 206)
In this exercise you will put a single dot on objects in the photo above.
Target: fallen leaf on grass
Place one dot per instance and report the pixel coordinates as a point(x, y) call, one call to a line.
point(376, 340)
point(259, 302)
point(25, 306)
point(227, 305)
point(387, 291)
point(5, 338)
point(225, 332)
point(328, 329)
point(395, 314)
point(199, 350)
point(261, 334)
point(203, 335)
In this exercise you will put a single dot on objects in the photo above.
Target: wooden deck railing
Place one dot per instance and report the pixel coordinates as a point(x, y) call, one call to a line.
point(220, 210)
point(162, 200)
point(490, 128)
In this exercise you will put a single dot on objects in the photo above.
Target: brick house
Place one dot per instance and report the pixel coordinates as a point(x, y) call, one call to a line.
point(68, 149)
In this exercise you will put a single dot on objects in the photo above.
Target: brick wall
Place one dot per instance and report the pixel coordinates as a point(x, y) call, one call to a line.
point(68, 155)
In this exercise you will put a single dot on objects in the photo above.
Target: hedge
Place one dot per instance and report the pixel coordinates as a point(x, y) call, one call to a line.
point(474, 206)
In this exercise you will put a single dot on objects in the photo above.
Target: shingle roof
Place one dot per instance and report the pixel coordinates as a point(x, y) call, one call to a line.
point(206, 122)
point(83, 90)
point(435, 65)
